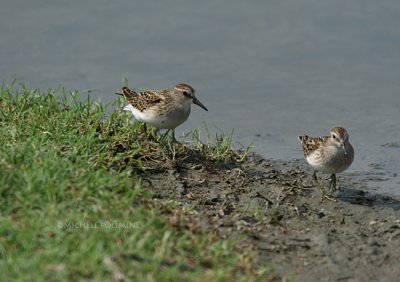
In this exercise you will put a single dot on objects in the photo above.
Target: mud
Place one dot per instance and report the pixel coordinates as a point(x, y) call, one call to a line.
point(276, 211)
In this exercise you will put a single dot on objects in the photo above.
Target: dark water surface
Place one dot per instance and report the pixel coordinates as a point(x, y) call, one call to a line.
point(270, 69)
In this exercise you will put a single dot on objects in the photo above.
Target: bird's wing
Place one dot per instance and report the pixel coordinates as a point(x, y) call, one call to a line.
point(142, 100)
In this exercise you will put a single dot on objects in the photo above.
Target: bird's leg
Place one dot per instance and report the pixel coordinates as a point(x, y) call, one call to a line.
point(332, 187)
point(162, 137)
point(145, 129)
point(321, 188)
point(315, 176)
point(152, 134)
point(174, 138)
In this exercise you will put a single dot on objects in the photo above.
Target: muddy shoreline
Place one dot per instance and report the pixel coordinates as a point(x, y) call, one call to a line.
point(275, 209)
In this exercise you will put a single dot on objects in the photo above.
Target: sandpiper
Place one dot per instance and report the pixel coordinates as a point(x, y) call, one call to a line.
point(162, 109)
point(328, 154)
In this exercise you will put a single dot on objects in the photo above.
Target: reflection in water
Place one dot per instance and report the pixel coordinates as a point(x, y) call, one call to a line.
point(272, 70)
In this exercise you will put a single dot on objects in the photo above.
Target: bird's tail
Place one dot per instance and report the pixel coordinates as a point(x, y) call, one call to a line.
point(127, 93)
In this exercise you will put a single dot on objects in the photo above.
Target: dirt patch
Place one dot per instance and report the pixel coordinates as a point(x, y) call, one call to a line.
point(274, 207)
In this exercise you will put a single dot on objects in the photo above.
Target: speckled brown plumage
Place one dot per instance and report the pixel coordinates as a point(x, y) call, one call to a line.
point(142, 100)
point(310, 144)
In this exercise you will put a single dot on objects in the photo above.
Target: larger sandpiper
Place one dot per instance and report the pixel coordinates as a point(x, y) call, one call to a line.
point(162, 109)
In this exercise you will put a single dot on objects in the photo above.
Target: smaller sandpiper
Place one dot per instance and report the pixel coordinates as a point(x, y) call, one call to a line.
point(328, 154)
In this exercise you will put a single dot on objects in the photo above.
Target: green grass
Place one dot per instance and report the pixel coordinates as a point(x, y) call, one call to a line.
point(70, 209)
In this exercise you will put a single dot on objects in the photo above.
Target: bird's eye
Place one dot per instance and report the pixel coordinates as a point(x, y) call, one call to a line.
point(186, 93)
point(334, 136)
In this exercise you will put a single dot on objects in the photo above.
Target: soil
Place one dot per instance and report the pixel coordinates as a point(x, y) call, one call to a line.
point(277, 211)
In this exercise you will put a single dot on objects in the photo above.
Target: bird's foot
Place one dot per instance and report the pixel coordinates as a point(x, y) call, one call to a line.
point(324, 195)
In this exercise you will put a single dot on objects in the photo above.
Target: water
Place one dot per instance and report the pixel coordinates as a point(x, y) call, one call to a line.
point(270, 69)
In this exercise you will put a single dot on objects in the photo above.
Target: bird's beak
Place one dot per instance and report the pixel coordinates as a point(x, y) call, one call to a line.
point(343, 147)
point(198, 103)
